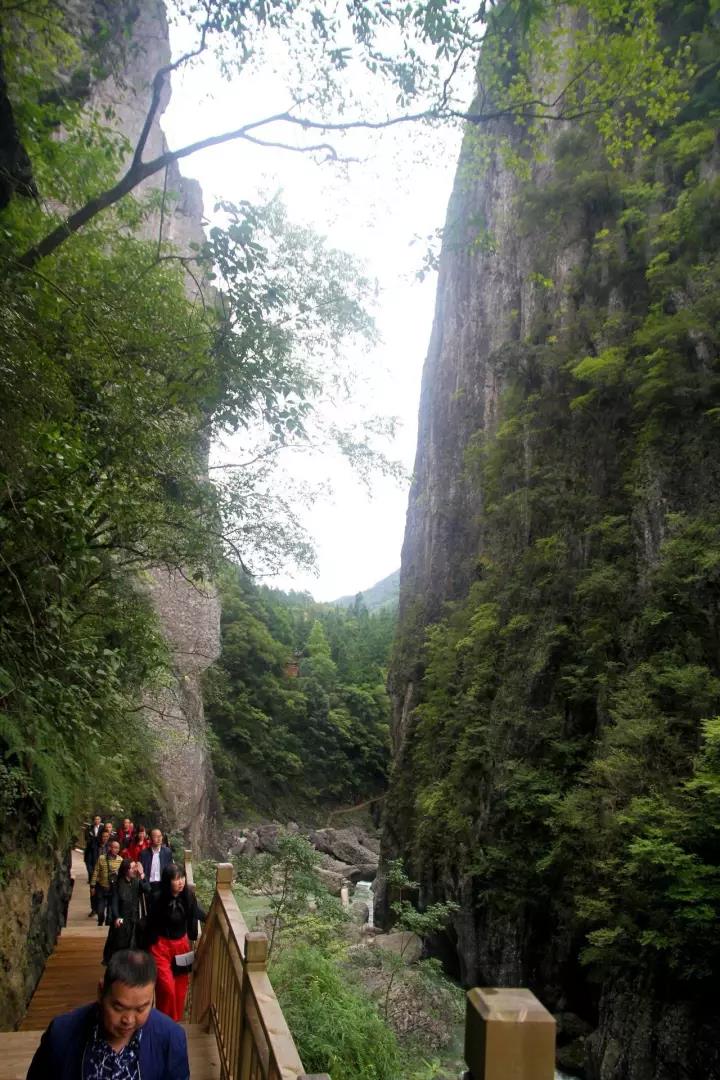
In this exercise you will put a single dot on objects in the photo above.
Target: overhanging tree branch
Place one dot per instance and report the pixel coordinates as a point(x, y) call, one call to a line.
point(139, 170)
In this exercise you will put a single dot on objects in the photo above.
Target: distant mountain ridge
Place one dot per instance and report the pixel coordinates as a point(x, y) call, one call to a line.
point(383, 594)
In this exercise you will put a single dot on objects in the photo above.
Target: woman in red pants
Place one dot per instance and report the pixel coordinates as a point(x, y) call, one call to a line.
point(172, 924)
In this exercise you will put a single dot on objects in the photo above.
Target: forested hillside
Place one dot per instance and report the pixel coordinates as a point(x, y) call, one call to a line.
point(383, 594)
point(297, 701)
point(557, 672)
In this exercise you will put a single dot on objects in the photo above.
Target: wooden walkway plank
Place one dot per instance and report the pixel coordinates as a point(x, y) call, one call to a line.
point(74, 969)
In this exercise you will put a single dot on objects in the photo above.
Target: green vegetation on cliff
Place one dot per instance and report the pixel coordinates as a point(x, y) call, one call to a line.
point(297, 701)
point(563, 765)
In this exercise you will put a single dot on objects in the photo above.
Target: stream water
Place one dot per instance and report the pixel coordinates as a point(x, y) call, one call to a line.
point(364, 892)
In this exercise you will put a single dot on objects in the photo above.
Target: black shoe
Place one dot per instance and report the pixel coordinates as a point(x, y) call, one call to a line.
point(91, 915)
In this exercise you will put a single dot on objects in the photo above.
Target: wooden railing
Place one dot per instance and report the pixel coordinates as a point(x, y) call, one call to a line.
point(232, 994)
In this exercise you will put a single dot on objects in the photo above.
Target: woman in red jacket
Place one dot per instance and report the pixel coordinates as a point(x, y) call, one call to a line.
point(139, 843)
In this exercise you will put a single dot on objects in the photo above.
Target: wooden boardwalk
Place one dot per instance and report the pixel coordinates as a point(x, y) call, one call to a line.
point(70, 979)
point(74, 969)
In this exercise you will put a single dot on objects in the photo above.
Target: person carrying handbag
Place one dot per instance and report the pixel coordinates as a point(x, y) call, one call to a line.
point(172, 924)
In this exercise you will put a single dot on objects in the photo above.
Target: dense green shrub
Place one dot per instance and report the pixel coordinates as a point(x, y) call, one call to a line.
point(336, 1028)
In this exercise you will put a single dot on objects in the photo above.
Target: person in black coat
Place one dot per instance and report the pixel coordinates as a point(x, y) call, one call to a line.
point(92, 842)
point(126, 910)
point(172, 924)
point(154, 860)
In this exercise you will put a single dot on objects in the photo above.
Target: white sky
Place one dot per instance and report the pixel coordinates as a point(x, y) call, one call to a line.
point(373, 209)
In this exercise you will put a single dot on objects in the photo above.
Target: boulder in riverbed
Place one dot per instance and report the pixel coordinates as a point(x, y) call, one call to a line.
point(344, 845)
point(332, 881)
point(404, 943)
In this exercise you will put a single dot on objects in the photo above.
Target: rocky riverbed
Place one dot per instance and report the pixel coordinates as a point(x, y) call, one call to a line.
point(347, 855)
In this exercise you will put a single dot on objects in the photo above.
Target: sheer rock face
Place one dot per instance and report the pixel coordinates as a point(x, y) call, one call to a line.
point(34, 902)
point(190, 618)
point(486, 304)
point(486, 300)
point(189, 615)
point(129, 97)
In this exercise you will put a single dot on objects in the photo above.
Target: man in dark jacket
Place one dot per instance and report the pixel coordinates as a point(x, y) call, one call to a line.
point(119, 1037)
point(92, 841)
point(92, 850)
point(154, 860)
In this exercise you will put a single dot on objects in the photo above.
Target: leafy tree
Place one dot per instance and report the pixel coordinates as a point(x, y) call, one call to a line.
point(289, 882)
point(410, 921)
point(114, 380)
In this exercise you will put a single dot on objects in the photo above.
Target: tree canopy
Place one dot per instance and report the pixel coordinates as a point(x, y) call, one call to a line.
point(297, 701)
point(117, 370)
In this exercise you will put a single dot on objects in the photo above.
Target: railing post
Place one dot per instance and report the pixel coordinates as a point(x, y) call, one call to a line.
point(224, 872)
point(256, 950)
point(223, 880)
point(508, 1034)
point(187, 859)
point(256, 955)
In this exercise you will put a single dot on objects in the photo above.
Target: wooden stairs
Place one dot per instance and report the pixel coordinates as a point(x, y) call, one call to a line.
point(71, 979)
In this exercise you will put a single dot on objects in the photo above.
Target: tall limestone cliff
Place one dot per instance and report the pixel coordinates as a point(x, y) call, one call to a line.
point(556, 671)
point(189, 614)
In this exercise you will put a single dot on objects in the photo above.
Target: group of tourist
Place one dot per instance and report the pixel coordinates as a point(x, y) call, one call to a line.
point(141, 894)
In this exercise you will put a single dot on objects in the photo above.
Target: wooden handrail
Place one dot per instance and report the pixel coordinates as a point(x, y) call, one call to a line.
point(233, 995)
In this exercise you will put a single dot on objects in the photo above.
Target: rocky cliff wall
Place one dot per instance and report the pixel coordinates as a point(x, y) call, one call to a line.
point(34, 904)
point(34, 888)
point(514, 481)
point(189, 613)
